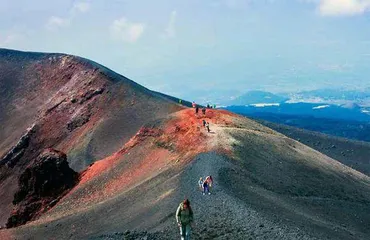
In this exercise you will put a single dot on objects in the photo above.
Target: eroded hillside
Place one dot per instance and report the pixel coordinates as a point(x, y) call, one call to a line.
point(67, 103)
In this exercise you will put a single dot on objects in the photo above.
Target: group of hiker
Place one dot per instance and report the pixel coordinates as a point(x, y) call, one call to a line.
point(204, 122)
point(204, 109)
point(205, 185)
point(184, 213)
point(206, 125)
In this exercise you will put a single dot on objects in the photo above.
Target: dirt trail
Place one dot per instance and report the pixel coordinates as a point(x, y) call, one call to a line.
point(217, 216)
point(221, 216)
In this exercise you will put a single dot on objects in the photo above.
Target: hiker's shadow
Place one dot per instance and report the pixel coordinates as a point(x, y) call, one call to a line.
point(211, 132)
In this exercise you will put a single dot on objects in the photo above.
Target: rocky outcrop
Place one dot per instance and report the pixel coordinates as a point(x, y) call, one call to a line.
point(18, 150)
point(78, 121)
point(90, 94)
point(41, 186)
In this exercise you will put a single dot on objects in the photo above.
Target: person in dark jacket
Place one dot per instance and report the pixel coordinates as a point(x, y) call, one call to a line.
point(184, 219)
point(207, 126)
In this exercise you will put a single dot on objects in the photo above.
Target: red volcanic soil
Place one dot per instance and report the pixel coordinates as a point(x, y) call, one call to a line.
point(293, 189)
point(72, 105)
point(85, 110)
point(154, 149)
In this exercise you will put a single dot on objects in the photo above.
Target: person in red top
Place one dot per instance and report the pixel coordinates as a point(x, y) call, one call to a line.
point(209, 180)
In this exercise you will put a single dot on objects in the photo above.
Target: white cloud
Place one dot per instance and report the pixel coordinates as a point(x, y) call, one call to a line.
point(170, 30)
point(6, 40)
point(343, 7)
point(54, 23)
point(124, 30)
point(81, 7)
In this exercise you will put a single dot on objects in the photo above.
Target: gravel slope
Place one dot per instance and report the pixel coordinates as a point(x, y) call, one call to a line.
point(217, 216)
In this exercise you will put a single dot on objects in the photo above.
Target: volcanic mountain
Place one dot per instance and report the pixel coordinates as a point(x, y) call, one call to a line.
point(138, 153)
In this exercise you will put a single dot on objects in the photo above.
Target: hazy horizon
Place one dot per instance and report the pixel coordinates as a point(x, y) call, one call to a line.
point(190, 48)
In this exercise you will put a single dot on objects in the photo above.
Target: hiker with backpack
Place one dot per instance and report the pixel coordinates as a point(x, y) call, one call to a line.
point(184, 219)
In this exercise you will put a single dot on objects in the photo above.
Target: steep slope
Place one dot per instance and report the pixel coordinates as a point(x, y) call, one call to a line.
point(68, 103)
point(268, 186)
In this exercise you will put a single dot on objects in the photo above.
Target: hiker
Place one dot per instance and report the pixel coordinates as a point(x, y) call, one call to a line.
point(206, 188)
point(196, 110)
point(209, 179)
point(200, 184)
point(180, 101)
point(207, 126)
point(204, 110)
point(184, 219)
point(193, 104)
point(204, 122)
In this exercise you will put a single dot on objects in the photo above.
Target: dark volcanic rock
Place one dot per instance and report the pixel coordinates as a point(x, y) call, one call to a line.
point(41, 186)
point(90, 94)
point(18, 150)
point(78, 122)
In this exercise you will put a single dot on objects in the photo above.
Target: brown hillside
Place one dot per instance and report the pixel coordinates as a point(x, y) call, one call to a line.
point(68, 103)
point(267, 186)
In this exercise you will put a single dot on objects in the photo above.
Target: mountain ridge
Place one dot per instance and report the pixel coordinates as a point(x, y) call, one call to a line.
point(139, 154)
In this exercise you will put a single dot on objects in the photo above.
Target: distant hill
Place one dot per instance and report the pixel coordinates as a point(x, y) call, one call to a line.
point(306, 109)
point(346, 123)
point(333, 96)
point(257, 97)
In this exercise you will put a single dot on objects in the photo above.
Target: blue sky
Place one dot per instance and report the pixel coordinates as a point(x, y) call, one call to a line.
point(204, 47)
